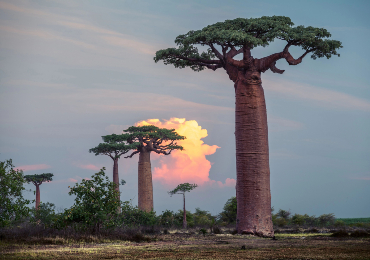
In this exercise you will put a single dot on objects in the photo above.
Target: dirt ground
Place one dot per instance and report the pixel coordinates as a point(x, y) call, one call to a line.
point(195, 246)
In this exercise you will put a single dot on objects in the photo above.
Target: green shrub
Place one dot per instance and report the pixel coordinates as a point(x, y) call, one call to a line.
point(13, 207)
point(95, 206)
point(133, 216)
point(167, 218)
point(178, 216)
point(339, 223)
point(285, 214)
point(326, 219)
point(45, 215)
point(228, 214)
point(298, 219)
point(280, 222)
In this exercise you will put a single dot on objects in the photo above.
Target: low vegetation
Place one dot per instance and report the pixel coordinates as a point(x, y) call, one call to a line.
point(98, 218)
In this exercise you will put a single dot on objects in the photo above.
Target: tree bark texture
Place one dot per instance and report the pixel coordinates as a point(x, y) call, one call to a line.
point(184, 223)
point(145, 183)
point(37, 196)
point(252, 157)
point(115, 176)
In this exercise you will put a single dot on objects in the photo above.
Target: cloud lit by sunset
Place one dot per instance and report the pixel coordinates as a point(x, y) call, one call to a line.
point(189, 165)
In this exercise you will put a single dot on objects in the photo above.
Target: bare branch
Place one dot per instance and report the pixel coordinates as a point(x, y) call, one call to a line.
point(130, 156)
point(216, 52)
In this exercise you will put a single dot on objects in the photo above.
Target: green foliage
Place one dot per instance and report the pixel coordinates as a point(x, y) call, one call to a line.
point(133, 216)
point(95, 204)
point(179, 218)
point(182, 188)
point(228, 214)
point(160, 138)
point(283, 214)
point(13, 206)
point(167, 218)
point(250, 32)
point(114, 146)
point(349, 221)
point(326, 219)
point(203, 231)
point(203, 218)
point(37, 179)
point(45, 215)
point(298, 219)
point(339, 223)
point(279, 221)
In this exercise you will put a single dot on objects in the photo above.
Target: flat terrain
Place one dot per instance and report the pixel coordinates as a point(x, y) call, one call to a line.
point(195, 246)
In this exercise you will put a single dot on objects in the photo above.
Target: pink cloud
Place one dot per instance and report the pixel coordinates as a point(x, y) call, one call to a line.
point(89, 167)
point(32, 167)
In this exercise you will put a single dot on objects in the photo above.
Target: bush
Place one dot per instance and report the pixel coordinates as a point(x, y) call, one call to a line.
point(285, 214)
point(298, 219)
point(280, 222)
point(339, 223)
point(96, 204)
point(179, 216)
point(326, 219)
point(167, 218)
point(13, 207)
point(45, 215)
point(228, 214)
point(133, 216)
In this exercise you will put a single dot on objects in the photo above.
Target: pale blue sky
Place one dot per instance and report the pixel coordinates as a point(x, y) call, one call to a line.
point(72, 71)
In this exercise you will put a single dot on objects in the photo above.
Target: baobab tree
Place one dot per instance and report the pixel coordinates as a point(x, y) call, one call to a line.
point(37, 180)
point(225, 40)
point(150, 139)
point(181, 189)
point(114, 146)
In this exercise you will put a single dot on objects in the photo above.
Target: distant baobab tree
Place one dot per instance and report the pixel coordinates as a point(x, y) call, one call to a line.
point(37, 180)
point(181, 189)
point(114, 146)
point(150, 139)
point(225, 40)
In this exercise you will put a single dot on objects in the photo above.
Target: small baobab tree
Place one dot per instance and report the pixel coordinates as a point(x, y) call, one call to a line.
point(181, 189)
point(224, 42)
point(150, 139)
point(37, 180)
point(114, 146)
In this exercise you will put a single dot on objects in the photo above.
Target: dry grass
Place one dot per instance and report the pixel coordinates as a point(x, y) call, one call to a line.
point(195, 246)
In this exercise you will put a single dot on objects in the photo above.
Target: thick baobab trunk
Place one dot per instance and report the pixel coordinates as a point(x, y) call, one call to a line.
point(252, 158)
point(115, 176)
point(184, 224)
point(37, 196)
point(145, 181)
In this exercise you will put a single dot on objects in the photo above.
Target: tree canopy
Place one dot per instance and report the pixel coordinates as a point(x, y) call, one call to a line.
point(12, 204)
point(155, 139)
point(37, 179)
point(114, 146)
point(227, 39)
point(182, 188)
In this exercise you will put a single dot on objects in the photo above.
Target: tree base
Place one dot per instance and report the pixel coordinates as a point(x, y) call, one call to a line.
point(258, 233)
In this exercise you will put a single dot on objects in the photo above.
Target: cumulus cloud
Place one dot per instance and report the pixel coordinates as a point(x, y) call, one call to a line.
point(191, 164)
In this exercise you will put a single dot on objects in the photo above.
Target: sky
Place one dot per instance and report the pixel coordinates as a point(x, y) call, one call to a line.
point(73, 71)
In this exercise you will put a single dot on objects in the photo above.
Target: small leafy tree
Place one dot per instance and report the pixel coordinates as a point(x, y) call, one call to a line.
point(95, 203)
point(37, 180)
point(228, 214)
point(181, 189)
point(12, 204)
point(114, 146)
point(44, 215)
